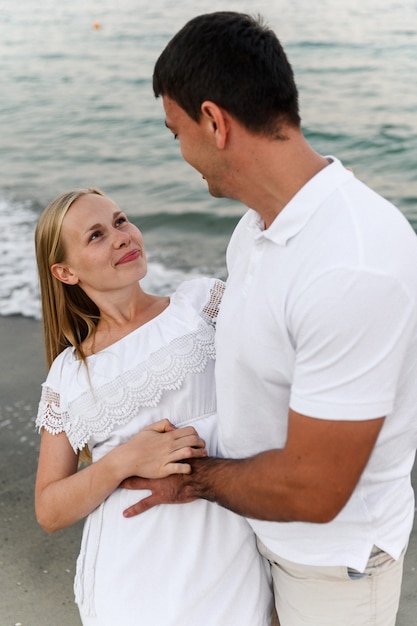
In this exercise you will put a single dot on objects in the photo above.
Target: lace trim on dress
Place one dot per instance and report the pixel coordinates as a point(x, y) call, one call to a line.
point(211, 309)
point(98, 411)
point(49, 412)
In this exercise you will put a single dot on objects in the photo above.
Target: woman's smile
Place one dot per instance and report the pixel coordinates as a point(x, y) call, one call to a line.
point(130, 256)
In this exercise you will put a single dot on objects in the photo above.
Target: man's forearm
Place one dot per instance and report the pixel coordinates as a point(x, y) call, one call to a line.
point(229, 483)
point(250, 487)
point(246, 486)
point(310, 480)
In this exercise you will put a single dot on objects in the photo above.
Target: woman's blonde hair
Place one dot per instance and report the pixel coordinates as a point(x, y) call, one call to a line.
point(69, 315)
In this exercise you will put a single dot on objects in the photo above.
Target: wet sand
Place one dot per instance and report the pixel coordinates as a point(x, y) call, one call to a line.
point(36, 569)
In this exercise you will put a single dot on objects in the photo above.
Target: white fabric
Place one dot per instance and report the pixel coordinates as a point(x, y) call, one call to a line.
point(175, 565)
point(319, 315)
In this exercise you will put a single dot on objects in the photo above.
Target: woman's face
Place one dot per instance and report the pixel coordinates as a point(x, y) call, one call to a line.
point(104, 251)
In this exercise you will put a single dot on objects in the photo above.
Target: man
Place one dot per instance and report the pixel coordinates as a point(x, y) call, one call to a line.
point(316, 337)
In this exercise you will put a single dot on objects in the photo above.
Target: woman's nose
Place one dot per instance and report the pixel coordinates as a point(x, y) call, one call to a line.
point(121, 239)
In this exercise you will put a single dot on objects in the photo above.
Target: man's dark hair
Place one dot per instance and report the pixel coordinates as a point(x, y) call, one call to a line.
point(234, 60)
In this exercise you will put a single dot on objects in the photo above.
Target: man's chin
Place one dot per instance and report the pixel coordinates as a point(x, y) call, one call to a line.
point(216, 193)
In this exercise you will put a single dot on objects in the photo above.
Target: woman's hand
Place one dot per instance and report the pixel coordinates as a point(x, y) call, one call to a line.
point(64, 495)
point(160, 449)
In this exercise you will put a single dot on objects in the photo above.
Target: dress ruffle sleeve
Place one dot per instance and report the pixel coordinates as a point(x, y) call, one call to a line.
point(49, 412)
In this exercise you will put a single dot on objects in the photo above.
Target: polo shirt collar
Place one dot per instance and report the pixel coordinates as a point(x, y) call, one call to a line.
point(295, 215)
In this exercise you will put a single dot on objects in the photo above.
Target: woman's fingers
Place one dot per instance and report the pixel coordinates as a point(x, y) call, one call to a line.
point(163, 426)
point(188, 437)
point(160, 449)
point(183, 437)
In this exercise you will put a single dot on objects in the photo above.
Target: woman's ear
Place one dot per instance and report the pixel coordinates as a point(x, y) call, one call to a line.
point(63, 273)
point(218, 120)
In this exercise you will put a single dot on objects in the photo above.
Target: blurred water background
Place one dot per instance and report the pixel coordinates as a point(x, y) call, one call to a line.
point(77, 109)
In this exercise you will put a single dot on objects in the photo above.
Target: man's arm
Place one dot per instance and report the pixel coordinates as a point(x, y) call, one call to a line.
point(309, 480)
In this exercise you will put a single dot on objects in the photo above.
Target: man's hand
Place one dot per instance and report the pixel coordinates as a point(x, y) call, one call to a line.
point(170, 490)
point(310, 480)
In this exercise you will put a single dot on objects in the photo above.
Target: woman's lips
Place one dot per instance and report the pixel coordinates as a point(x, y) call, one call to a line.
point(130, 256)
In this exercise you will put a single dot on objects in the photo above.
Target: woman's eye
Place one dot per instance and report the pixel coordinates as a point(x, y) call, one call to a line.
point(121, 220)
point(95, 235)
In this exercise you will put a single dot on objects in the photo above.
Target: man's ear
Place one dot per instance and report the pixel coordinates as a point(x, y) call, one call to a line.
point(218, 120)
point(63, 273)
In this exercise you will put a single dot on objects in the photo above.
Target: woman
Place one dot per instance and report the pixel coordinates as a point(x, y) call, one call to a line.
point(121, 361)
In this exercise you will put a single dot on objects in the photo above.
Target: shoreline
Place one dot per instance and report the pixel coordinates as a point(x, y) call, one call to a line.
point(36, 569)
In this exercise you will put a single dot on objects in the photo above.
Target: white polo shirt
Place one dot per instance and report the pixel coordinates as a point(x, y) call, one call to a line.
point(320, 315)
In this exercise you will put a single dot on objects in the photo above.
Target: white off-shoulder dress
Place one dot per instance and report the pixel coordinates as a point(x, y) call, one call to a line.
point(175, 565)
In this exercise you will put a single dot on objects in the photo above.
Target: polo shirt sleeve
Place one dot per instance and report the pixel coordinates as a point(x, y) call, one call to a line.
point(351, 329)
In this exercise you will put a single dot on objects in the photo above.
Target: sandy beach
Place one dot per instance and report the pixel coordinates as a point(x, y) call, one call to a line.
point(36, 569)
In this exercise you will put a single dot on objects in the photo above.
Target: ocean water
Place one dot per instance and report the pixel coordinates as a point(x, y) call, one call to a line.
point(77, 109)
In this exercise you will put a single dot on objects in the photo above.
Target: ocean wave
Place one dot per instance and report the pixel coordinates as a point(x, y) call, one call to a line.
point(18, 279)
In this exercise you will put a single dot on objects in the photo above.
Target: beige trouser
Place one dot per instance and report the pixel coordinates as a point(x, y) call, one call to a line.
point(336, 596)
